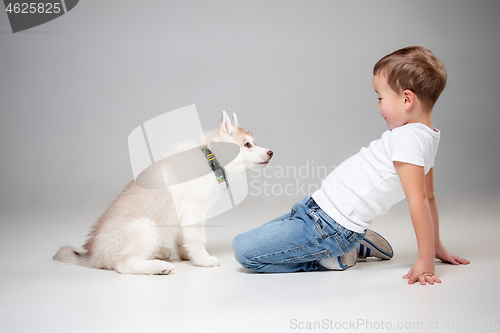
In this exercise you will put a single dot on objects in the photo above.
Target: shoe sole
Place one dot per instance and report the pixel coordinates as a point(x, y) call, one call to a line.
point(374, 245)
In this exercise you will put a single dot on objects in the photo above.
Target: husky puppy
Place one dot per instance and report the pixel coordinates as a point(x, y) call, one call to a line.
point(134, 234)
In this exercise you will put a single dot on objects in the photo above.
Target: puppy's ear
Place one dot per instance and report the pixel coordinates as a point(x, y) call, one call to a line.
point(225, 126)
point(235, 120)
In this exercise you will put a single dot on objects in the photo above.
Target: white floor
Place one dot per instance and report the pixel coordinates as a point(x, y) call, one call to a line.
point(39, 295)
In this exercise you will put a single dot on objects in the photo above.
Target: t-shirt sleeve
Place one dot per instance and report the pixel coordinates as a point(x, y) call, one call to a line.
point(405, 147)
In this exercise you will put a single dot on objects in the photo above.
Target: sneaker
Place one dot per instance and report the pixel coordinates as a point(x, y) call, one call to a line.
point(340, 263)
point(374, 245)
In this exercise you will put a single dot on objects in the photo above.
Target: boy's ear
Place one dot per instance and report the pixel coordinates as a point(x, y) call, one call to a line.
point(225, 127)
point(409, 99)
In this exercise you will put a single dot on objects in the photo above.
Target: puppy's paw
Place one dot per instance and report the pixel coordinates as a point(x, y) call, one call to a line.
point(209, 261)
point(163, 253)
point(182, 253)
point(148, 267)
point(165, 268)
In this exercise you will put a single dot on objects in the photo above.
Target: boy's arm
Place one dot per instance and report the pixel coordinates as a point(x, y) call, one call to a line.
point(413, 181)
point(441, 253)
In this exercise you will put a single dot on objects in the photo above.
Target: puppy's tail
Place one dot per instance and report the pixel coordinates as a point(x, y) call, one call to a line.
point(71, 256)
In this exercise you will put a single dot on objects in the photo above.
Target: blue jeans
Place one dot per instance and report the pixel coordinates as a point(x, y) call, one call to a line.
point(295, 241)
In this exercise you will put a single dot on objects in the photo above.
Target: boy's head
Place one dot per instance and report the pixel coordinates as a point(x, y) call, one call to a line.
point(414, 68)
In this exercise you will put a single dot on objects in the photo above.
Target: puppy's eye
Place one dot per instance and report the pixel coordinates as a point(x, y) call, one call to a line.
point(248, 145)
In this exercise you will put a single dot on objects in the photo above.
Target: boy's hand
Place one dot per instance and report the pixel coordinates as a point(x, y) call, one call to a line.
point(443, 255)
point(422, 271)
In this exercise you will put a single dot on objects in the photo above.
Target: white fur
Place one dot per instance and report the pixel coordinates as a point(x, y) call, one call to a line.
point(136, 232)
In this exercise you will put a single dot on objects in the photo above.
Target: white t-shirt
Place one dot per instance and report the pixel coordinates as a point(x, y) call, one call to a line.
point(367, 185)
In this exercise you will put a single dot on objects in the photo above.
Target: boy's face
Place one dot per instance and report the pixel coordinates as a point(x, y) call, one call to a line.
point(391, 103)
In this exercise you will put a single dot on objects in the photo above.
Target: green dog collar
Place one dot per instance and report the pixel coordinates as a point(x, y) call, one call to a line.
point(216, 168)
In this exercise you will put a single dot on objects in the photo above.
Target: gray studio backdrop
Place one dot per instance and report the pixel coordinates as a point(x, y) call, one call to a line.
point(297, 73)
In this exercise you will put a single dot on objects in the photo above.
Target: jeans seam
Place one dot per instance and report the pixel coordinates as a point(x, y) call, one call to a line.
point(350, 238)
point(337, 238)
point(326, 216)
point(325, 251)
point(320, 231)
point(294, 248)
point(356, 237)
point(316, 224)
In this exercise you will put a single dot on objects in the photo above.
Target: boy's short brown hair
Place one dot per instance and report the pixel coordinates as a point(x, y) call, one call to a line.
point(417, 69)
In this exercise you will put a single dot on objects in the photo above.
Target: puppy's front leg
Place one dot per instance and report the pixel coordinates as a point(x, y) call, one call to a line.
point(193, 243)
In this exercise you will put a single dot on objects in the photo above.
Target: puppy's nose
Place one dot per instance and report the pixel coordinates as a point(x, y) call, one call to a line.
point(270, 153)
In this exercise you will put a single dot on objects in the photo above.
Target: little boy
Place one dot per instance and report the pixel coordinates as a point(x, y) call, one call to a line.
point(328, 230)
